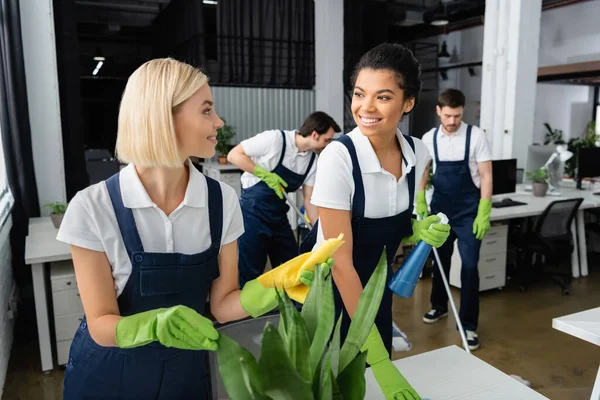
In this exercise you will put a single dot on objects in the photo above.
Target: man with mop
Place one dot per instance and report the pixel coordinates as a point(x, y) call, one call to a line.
point(462, 183)
point(275, 161)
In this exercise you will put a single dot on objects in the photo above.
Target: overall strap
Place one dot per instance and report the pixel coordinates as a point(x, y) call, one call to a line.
point(435, 149)
point(468, 144)
point(411, 176)
point(125, 219)
point(282, 148)
point(358, 202)
point(215, 210)
point(310, 164)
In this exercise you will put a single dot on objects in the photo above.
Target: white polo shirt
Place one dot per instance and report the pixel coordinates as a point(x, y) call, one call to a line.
point(90, 221)
point(265, 150)
point(452, 148)
point(384, 195)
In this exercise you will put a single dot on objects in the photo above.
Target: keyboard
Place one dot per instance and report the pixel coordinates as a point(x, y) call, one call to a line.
point(507, 203)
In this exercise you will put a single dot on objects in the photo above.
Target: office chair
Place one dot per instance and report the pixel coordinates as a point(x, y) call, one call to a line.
point(550, 238)
point(248, 333)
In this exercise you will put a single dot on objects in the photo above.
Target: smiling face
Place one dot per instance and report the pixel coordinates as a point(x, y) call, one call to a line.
point(196, 124)
point(378, 102)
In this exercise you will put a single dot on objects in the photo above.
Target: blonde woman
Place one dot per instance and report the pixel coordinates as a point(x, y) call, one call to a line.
point(151, 243)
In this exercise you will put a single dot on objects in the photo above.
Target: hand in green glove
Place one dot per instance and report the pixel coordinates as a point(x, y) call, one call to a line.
point(481, 225)
point(429, 230)
point(177, 326)
point(258, 300)
point(422, 210)
point(272, 180)
point(393, 385)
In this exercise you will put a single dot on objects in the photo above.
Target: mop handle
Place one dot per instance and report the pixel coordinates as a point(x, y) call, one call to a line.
point(291, 203)
point(447, 287)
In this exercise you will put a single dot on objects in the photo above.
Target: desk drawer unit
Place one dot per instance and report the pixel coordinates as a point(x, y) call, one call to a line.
point(492, 260)
point(67, 307)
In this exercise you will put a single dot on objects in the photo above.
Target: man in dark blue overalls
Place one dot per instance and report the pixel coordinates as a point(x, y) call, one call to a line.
point(462, 183)
point(274, 161)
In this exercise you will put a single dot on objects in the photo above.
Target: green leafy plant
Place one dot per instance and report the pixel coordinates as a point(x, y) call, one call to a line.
point(589, 139)
point(57, 207)
point(303, 358)
point(224, 136)
point(553, 136)
point(538, 176)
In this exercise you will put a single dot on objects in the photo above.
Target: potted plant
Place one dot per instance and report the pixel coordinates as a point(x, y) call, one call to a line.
point(589, 139)
point(303, 358)
point(224, 136)
point(539, 179)
point(553, 136)
point(58, 211)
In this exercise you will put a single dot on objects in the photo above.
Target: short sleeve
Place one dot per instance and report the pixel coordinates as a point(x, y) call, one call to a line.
point(78, 228)
point(261, 144)
point(427, 140)
point(483, 151)
point(333, 181)
point(233, 223)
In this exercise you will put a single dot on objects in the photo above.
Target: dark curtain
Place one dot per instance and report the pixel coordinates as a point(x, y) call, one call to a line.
point(16, 134)
point(266, 43)
point(67, 61)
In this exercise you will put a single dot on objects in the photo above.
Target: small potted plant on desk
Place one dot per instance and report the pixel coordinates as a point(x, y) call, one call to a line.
point(539, 182)
point(224, 136)
point(58, 211)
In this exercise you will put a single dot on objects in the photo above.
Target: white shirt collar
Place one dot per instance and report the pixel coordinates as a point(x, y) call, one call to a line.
point(134, 194)
point(369, 163)
point(460, 131)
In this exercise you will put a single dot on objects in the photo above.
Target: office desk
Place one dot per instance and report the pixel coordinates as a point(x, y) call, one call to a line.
point(583, 325)
point(536, 205)
point(41, 247)
point(452, 373)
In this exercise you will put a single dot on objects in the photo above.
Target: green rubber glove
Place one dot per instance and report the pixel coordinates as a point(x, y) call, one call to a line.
point(177, 326)
point(429, 230)
point(272, 180)
point(393, 385)
point(258, 300)
point(422, 210)
point(481, 225)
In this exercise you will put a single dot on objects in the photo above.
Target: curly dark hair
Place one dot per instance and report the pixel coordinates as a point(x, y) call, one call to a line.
point(397, 58)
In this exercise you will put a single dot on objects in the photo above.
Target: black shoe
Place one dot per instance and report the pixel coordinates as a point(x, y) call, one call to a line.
point(434, 316)
point(472, 340)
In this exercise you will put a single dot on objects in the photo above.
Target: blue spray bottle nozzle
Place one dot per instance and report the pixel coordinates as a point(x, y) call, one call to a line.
point(405, 280)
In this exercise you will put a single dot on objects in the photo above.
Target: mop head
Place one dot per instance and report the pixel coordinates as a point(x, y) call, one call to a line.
point(400, 341)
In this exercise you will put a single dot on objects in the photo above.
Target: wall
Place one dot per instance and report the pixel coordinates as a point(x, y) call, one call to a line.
point(253, 110)
point(6, 287)
point(39, 51)
point(568, 35)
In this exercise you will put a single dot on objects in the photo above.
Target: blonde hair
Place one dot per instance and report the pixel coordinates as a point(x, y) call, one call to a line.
point(154, 92)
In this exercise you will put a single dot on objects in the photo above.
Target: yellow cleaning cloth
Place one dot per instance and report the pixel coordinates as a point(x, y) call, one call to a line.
point(288, 274)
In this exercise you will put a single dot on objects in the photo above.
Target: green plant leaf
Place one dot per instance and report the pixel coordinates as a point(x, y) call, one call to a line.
point(239, 370)
point(364, 315)
point(351, 381)
point(335, 347)
point(296, 339)
point(336, 394)
point(279, 377)
point(319, 315)
point(326, 389)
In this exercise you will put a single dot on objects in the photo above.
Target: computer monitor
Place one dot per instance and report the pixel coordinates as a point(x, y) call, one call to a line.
point(588, 164)
point(504, 175)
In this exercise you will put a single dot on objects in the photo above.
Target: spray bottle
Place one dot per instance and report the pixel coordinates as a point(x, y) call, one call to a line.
point(405, 280)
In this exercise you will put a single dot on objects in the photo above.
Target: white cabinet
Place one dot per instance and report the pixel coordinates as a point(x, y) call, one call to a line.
point(228, 174)
point(492, 260)
point(67, 307)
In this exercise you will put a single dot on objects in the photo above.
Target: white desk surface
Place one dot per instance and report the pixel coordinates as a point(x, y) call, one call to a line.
point(536, 205)
point(41, 245)
point(583, 325)
point(452, 373)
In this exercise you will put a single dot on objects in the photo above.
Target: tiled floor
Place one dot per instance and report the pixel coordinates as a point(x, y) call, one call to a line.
point(515, 332)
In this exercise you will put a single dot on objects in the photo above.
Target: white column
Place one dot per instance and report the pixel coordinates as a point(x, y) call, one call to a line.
point(329, 58)
point(511, 41)
point(39, 52)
